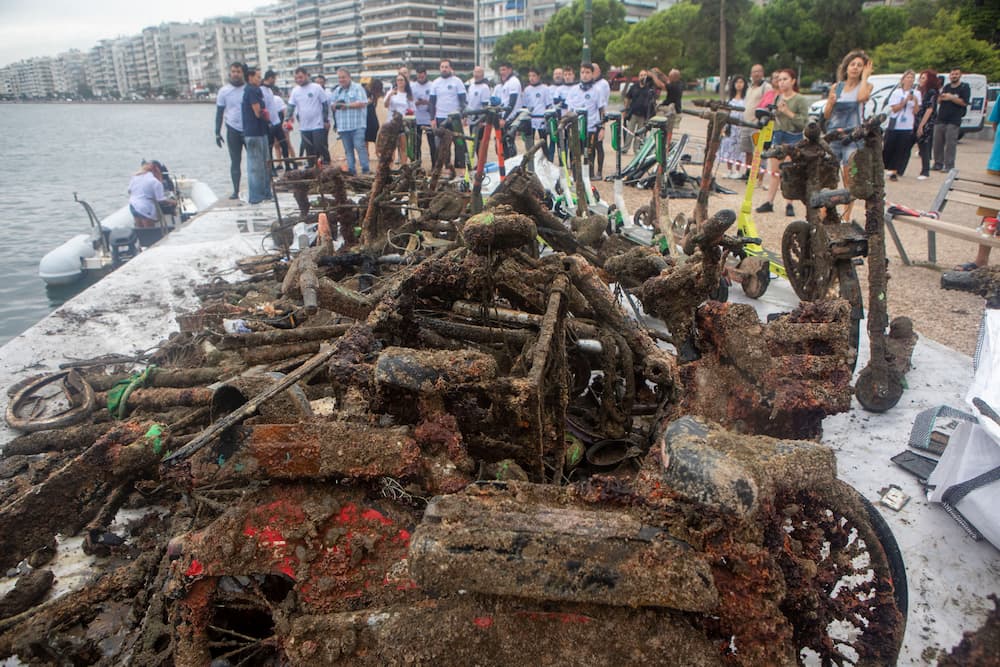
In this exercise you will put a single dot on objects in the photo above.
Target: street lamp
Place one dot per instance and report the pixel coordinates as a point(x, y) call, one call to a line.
point(420, 42)
point(440, 17)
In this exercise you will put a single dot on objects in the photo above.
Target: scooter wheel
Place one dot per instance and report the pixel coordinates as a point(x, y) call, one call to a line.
point(875, 395)
point(642, 216)
point(756, 276)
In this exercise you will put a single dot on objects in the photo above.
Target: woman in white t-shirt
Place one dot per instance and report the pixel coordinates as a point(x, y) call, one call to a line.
point(904, 102)
point(400, 100)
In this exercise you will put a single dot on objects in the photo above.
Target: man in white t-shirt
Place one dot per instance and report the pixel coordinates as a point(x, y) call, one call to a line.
point(536, 97)
point(585, 98)
point(478, 93)
point(421, 88)
point(276, 112)
point(308, 102)
point(601, 84)
point(509, 92)
point(229, 107)
point(447, 97)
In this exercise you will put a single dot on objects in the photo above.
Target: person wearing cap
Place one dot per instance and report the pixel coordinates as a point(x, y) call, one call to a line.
point(422, 103)
point(146, 194)
point(308, 103)
point(228, 107)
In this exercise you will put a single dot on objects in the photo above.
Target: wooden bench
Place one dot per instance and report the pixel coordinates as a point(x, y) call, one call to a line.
point(978, 190)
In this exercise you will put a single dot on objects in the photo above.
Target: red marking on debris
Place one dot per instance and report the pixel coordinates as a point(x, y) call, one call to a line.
point(404, 537)
point(375, 515)
point(195, 569)
point(348, 514)
point(482, 622)
point(286, 567)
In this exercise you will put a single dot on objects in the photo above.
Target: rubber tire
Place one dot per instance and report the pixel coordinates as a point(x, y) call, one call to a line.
point(893, 554)
point(722, 293)
point(873, 403)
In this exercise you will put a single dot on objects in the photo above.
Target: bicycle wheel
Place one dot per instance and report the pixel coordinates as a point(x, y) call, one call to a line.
point(846, 584)
point(806, 270)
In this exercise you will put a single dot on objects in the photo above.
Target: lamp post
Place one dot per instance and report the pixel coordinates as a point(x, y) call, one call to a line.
point(440, 23)
point(420, 42)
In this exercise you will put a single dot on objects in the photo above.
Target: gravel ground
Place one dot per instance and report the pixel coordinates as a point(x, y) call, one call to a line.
point(950, 318)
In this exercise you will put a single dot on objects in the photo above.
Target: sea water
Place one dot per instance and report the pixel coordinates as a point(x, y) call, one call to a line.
point(50, 151)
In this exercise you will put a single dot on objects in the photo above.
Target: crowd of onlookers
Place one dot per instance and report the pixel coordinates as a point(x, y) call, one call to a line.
point(252, 114)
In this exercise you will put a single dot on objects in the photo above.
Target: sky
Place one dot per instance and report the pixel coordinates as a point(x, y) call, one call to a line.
point(30, 28)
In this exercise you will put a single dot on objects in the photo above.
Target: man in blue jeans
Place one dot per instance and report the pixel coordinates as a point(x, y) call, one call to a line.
point(350, 110)
point(256, 136)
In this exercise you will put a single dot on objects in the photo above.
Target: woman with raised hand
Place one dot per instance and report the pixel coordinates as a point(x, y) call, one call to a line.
point(929, 86)
point(844, 109)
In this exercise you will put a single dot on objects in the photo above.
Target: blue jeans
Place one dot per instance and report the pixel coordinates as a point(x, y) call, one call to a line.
point(354, 140)
point(257, 176)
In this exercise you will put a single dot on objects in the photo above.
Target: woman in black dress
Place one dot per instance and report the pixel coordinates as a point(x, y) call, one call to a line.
point(375, 95)
point(930, 85)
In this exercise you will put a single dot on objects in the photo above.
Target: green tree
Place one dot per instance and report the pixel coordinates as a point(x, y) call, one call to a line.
point(562, 39)
point(885, 24)
point(843, 26)
point(701, 57)
point(519, 47)
point(949, 43)
point(658, 41)
point(775, 34)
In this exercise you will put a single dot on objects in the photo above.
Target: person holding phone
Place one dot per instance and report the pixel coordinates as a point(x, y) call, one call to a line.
point(904, 104)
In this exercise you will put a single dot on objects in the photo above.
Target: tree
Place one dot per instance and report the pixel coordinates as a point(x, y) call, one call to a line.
point(701, 56)
point(658, 41)
point(949, 43)
point(885, 24)
point(562, 39)
point(519, 47)
point(842, 24)
point(775, 34)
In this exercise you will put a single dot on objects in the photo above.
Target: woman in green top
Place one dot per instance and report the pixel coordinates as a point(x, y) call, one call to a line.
point(791, 113)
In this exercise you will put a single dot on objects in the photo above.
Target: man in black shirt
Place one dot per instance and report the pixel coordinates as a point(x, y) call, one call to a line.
point(952, 105)
point(641, 104)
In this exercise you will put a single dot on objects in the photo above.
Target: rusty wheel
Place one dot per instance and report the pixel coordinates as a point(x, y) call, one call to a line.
point(878, 392)
point(846, 586)
point(643, 216)
point(807, 271)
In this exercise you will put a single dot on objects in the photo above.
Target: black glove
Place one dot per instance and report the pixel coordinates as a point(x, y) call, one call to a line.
point(218, 140)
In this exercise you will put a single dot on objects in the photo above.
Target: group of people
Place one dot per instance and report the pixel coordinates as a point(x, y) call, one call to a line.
point(257, 118)
point(921, 112)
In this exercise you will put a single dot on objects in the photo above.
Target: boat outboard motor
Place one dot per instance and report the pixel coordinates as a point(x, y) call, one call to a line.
point(124, 244)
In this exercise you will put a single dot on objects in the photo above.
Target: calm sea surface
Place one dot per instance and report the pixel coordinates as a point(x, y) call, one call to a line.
point(51, 151)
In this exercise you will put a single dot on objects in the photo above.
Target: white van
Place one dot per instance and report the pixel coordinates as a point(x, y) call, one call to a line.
point(884, 84)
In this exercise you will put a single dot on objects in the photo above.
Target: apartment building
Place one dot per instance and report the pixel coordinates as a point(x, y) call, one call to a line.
point(418, 33)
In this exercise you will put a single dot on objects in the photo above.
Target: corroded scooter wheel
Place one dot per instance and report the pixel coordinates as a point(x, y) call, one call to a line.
point(878, 395)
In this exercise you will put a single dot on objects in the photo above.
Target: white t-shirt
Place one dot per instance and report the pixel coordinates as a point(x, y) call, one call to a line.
point(478, 95)
point(308, 101)
point(504, 90)
point(144, 190)
point(422, 91)
point(905, 116)
point(231, 97)
point(398, 103)
point(605, 88)
point(446, 90)
point(273, 104)
point(589, 101)
point(537, 98)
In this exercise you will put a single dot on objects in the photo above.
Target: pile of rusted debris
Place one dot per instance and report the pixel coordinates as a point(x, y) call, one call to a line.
point(435, 444)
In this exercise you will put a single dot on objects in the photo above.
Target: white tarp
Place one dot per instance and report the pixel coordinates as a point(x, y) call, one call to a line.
point(974, 449)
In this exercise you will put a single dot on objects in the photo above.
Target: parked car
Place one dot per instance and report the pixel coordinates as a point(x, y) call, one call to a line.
point(820, 87)
point(884, 84)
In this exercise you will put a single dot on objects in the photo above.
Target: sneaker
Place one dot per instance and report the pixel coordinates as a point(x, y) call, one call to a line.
point(893, 177)
point(937, 167)
point(234, 196)
point(922, 177)
point(766, 207)
point(789, 210)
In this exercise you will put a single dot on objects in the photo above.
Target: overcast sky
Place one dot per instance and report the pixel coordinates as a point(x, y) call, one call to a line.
point(31, 28)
